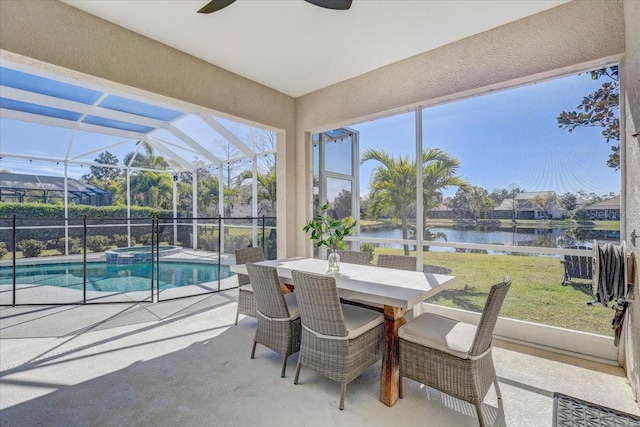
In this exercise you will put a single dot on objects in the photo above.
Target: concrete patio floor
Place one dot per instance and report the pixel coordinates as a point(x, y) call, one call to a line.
point(183, 362)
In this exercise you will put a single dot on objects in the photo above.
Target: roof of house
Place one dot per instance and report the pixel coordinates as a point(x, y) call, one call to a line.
point(612, 203)
point(506, 205)
point(19, 181)
point(528, 195)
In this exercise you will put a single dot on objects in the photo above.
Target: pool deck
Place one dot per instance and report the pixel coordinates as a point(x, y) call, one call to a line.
point(183, 362)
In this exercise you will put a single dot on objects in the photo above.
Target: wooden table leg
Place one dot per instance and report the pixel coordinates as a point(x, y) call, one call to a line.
point(390, 376)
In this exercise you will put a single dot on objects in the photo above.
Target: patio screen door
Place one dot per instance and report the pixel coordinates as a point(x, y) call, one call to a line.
point(335, 167)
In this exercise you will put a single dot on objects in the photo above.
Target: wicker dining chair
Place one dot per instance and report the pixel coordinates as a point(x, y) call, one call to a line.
point(399, 262)
point(338, 341)
point(354, 257)
point(246, 300)
point(278, 314)
point(451, 356)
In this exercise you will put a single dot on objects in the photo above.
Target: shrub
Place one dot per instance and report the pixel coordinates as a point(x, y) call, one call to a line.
point(121, 241)
point(97, 243)
point(146, 239)
point(52, 244)
point(208, 242)
point(232, 243)
point(3, 249)
point(581, 215)
point(31, 247)
point(75, 247)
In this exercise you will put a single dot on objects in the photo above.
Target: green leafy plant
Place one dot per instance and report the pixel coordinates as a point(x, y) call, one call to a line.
point(31, 247)
point(122, 241)
point(328, 231)
point(3, 249)
point(146, 239)
point(97, 243)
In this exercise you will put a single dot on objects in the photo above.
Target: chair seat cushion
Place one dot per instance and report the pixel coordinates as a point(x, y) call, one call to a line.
point(292, 305)
point(246, 288)
point(441, 333)
point(359, 320)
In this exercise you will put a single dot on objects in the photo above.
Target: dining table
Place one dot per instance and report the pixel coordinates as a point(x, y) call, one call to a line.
point(394, 291)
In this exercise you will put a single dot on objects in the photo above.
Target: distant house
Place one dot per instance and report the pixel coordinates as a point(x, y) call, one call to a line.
point(20, 188)
point(528, 206)
point(504, 210)
point(441, 212)
point(606, 210)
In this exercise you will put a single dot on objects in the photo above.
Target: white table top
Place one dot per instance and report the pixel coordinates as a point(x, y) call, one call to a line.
point(365, 283)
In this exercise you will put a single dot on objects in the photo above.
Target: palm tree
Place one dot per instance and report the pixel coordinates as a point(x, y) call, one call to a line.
point(393, 187)
point(267, 186)
point(439, 172)
point(149, 188)
point(393, 183)
point(148, 159)
point(152, 189)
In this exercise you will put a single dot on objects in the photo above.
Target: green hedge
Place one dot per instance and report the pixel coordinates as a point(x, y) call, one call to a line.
point(41, 210)
point(51, 217)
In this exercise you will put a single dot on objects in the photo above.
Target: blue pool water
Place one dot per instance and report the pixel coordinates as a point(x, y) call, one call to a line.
point(114, 278)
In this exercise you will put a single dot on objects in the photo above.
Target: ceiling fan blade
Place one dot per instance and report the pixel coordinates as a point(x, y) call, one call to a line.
point(215, 5)
point(332, 4)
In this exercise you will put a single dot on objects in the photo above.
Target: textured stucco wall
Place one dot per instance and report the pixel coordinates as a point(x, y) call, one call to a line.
point(61, 35)
point(570, 34)
point(631, 81)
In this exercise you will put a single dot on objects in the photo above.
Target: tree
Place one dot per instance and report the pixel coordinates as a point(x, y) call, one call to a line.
point(101, 174)
point(153, 189)
point(393, 183)
point(146, 159)
point(599, 109)
point(546, 201)
point(581, 215)
point(500, 194)
point(392, 187)
point(569, 201)
point(267, 187)
point(473, 201)
point(149, 188)
point(439, 172)
point(107, 178)
point(341, 206)
point(265, 140)
point(590, 198)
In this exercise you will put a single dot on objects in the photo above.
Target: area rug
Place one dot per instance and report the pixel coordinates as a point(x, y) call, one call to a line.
point(571, 412)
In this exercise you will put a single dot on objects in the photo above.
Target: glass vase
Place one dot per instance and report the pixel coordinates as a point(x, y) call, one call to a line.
point(334, 262)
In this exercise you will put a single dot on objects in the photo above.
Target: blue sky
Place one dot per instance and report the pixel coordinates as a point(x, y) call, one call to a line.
point(507, 137)
point(52, 142)
point(501, 138)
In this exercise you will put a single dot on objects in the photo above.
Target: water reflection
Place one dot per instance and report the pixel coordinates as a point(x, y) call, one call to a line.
point(510, 236)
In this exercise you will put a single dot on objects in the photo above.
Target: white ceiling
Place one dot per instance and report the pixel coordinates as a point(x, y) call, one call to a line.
point(295, 47)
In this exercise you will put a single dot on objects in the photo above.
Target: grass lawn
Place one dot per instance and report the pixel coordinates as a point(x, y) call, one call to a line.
point(536, 293)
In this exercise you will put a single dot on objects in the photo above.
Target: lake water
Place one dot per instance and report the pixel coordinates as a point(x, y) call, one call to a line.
point(537, 237)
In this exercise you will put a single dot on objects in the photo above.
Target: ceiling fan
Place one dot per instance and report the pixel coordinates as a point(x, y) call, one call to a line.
point(216, 5)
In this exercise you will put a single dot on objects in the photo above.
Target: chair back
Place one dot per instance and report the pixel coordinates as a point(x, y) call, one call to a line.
point(244, 256)
point(580, 267)
point(266, 289)
point(399, 262)
point(319, 304)
point(354, 257)
point(484, 333)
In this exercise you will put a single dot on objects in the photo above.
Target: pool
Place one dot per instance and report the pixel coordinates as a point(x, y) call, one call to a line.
point(105, 277)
